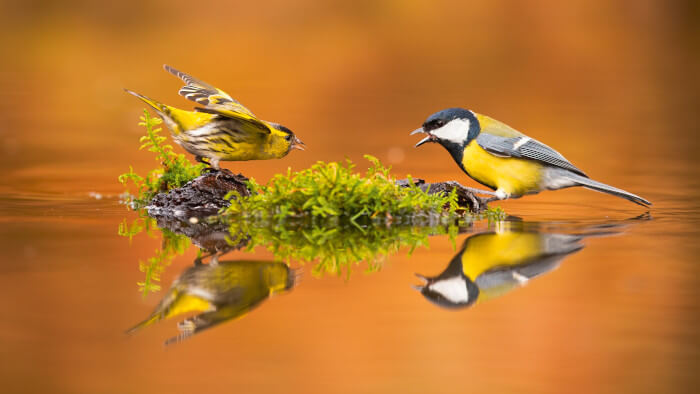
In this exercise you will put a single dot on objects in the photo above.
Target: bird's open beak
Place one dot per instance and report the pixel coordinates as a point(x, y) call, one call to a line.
point(425, 281)
point(429, 138)
point(297, 144)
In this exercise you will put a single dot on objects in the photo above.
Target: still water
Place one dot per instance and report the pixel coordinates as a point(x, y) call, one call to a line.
point(599, 295)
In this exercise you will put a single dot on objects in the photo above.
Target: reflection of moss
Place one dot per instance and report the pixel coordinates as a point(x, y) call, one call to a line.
point(174, 172)
point(495, 214)
point(138, 226)
point(336, 246)
point(172, 245)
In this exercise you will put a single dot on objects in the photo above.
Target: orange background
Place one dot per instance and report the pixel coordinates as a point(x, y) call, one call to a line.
point(611, 85)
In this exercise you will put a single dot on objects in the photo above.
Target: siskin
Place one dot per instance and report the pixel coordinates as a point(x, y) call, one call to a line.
point(219, 292)
point(222, 129)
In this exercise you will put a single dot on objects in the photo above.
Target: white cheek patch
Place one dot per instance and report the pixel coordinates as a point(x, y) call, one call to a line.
point(453, 289)
point(455, 131)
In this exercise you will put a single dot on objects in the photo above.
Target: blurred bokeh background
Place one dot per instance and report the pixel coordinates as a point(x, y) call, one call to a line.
point(613, 85)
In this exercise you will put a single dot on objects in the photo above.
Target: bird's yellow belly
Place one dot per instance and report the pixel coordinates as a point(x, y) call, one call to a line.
point(489, 251)
point(242, 151)
point(513, 176)
point(224, 147)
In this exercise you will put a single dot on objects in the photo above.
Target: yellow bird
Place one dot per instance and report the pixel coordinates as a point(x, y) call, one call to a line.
point(222, 129)
point(493, 263)
point(505, 160)
point(221, 291)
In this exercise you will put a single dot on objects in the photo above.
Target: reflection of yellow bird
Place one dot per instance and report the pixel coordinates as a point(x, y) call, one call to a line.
point(507, 161)
point(493, 263)
point(223, 129)
point(222, 291)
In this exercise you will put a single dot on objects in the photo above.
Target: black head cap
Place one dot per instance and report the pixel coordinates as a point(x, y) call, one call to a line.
point(443, 117)
point(454, 143)
point(283, 128)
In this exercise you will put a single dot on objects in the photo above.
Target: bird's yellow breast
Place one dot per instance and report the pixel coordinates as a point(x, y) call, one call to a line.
point(188, 303)
point(511, 175)
point(488, 251)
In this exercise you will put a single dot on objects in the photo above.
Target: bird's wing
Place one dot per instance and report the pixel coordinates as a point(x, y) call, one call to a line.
point(524, 147)
point(215, 100)
point(555, 248)
point(502, 140)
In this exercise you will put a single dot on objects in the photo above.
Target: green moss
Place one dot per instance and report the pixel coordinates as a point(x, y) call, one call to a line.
point(174, 171)
point(334, 190)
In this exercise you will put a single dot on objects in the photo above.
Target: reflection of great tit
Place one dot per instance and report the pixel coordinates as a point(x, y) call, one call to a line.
point(491, 264)
point(504, 159)
point(221, 291)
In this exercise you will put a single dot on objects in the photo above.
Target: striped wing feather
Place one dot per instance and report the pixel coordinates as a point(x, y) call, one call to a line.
point(214, 100)
point(526, 148)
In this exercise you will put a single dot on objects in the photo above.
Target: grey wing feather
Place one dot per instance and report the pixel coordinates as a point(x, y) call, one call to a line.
point(526, 148)
point(505, 277)
point(208, 95)
point(188, 79)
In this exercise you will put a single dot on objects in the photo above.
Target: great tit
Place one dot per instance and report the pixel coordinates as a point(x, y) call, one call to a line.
point(490, 264)
point(223, 129)
point(221, 291)
point(504, 159)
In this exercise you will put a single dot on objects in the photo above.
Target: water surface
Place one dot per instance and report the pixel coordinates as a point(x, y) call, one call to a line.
point(612, 87)
point(617, 311)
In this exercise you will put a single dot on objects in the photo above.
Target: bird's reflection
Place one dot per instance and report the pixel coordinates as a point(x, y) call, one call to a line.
point(220, 291)
point(492, 263)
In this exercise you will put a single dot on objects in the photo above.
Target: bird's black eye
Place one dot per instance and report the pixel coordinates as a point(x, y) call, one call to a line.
point(433, 124)
point(288, 137)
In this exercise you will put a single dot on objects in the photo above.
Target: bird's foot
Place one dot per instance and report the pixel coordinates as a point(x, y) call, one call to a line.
point(473, 190)
point(218, 171)
point(207, 170)
point(213, 258)
point(499, 195)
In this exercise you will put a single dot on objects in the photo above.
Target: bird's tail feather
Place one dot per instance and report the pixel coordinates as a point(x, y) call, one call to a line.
point(150, 320)
point(171, 116)
point(159, 313)
point(601, 187)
